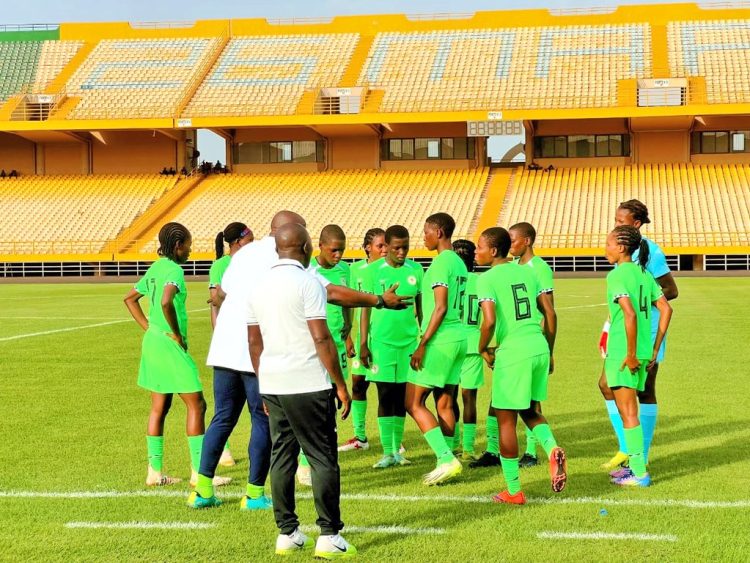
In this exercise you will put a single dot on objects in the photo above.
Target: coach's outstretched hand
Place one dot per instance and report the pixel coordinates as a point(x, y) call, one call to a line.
point(393, 301)
point(343, 401)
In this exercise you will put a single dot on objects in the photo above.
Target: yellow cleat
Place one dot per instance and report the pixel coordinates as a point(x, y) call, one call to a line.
point(443, 473)
point(226, 459)
point(618, 460)
point(467, 456)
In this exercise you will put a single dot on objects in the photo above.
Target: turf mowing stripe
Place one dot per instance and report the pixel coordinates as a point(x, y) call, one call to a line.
point(604, 536)
point(474, 499)
point(580, 307)
point(384, 530)
point(142, 525)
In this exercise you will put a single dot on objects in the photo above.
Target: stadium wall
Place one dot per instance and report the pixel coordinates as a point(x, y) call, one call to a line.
point(17, 153)
point(63, 158)
point(135, 152)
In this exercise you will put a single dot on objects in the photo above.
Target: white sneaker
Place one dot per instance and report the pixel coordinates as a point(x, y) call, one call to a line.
point(217, 481)
point(156, 479)
point(289, 543)
point(304, 476)
point(334, 547)
point(401, 449)
point(226, 459)
point(443, 472)
point(354, 444)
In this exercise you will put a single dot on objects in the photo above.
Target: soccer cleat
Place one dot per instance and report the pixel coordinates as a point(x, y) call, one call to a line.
point(558, 469)
point(487, 459)
point(287, 544)
point(260, 503)
point(226, 459)
point(334, 547)
point(621, 473)
point(304, 476)
point(400, 460)
point(618, 460)
point(385, 461)
point(505, 497)
point(527, 460)
point(197, 501)
point(217, 481)
point(469, 456)
point(401, 449)
point(354, 444)
point(633, 481)
point(156, 479)
point(443, 473)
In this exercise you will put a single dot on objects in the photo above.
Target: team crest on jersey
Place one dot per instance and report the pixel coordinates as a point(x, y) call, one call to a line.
point(356, 364)
point(412, 280)
point(374, 368)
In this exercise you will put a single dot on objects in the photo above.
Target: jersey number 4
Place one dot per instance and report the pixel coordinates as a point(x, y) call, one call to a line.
point(521, 301)
point(643, 303)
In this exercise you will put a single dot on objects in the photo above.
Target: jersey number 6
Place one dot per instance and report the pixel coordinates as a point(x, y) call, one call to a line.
point(521, 302)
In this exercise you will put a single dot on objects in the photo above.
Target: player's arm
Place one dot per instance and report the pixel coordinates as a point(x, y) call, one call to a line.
point(170, 314)
point(134, 307)
point(438, 314)
point(665, 316)
point(255, 345)
point(418, 308)
point(631, 333)
point(546, 305)
point(347, 328)
point(347, 297)
point(364, 334)
point(326, 350)
point(486, 331)
point(668, 286)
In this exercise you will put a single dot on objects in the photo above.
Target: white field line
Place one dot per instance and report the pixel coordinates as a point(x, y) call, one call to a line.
point(142, 525)
point(472, 499)
point(403, 530)
point(74, 328)
point(44, 318)
point(604, 536)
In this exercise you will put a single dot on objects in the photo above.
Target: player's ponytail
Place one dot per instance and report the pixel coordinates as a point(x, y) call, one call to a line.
point(171, 235)
point(465, 250)
point(644, 253)
point(219, 245)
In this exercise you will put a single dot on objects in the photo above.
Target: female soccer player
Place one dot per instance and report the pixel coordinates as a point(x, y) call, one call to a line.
point(375, 249)
point(166, 367)
point(631, 291)
point(236, 235)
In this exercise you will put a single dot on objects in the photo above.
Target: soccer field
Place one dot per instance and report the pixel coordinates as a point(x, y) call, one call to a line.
point(74, 455)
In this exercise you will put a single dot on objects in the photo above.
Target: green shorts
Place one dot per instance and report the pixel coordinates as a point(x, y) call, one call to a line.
point(390, 364)
point(472, 372)
point(356, 367)
point(516, 384)
point(441, 366)
point(617, 378)
point(343, 358)
point(165, 367)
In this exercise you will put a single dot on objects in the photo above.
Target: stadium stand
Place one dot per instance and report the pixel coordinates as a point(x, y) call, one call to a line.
point(18, 64)
point(268, 75)
point(53, 57)
point(354, 199)
point(73, 214)
point(138, 77)
point(691, 206)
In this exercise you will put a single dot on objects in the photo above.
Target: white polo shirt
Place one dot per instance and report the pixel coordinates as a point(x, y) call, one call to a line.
point(249, 266)
point(281, 305)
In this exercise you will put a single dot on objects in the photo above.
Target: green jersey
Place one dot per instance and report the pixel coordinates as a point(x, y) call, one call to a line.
point(392, 327)
point(471, 314)
point(544, 278)
point(162, 273)
point(449, 271)
point(217, 271)
point(338, 275)
point(357, 274)
point(514, 290)
point(630, 280)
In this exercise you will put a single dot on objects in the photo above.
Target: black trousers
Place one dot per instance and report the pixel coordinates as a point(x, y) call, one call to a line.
point(306, 420)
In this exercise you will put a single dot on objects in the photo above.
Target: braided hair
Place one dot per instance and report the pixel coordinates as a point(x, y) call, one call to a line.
point(630, 238)
point(170, 236)
point(637, 209)
point(231, 234)
point(465, 250)
point(499, 239)
point(370, 236)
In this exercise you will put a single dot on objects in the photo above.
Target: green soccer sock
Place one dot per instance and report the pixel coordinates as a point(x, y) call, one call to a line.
point(493, 436)
point(398, 432)
point(634, 441)
point(470, 431)
point(303, 460)
point(456, 438)
point(437, 442)
point(385, 425)
point(155, 446)
point(531, 443)
point(510, 472)
point(226, 446)
point(205, 486)
point(543, 434)
point(253, 491)
point(195, 445)
point(359, 417)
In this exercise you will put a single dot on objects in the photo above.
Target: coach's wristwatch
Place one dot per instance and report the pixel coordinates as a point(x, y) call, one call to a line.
point(381, 302)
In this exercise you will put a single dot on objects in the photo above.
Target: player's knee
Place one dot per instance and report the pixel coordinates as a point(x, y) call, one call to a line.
point(359, 388)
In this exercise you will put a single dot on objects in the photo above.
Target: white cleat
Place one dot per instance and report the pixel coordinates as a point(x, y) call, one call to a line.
point(287, 544)
point(443, 473)
point(226, 459)
point(354, 444)
point(304, 476)
point(156, 479)
point(334, 547)
point(217, 481)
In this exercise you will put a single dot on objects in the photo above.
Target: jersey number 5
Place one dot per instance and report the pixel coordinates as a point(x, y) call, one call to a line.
point(521, 302)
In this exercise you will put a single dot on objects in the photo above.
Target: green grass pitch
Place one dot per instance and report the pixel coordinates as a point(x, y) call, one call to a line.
point(74, 422)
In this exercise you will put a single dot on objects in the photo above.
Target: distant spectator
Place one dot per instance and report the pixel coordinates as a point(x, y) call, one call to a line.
point(183, 171)
point(3, 174)
point(13, 174)
point(217, 166)
point(164, 171)
point(172, 171)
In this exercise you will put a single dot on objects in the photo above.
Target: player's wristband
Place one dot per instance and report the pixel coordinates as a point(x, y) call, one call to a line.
point(606, 326)
point(381, 302)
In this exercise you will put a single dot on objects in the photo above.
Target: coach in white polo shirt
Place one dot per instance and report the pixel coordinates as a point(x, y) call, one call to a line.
point(300, 379)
